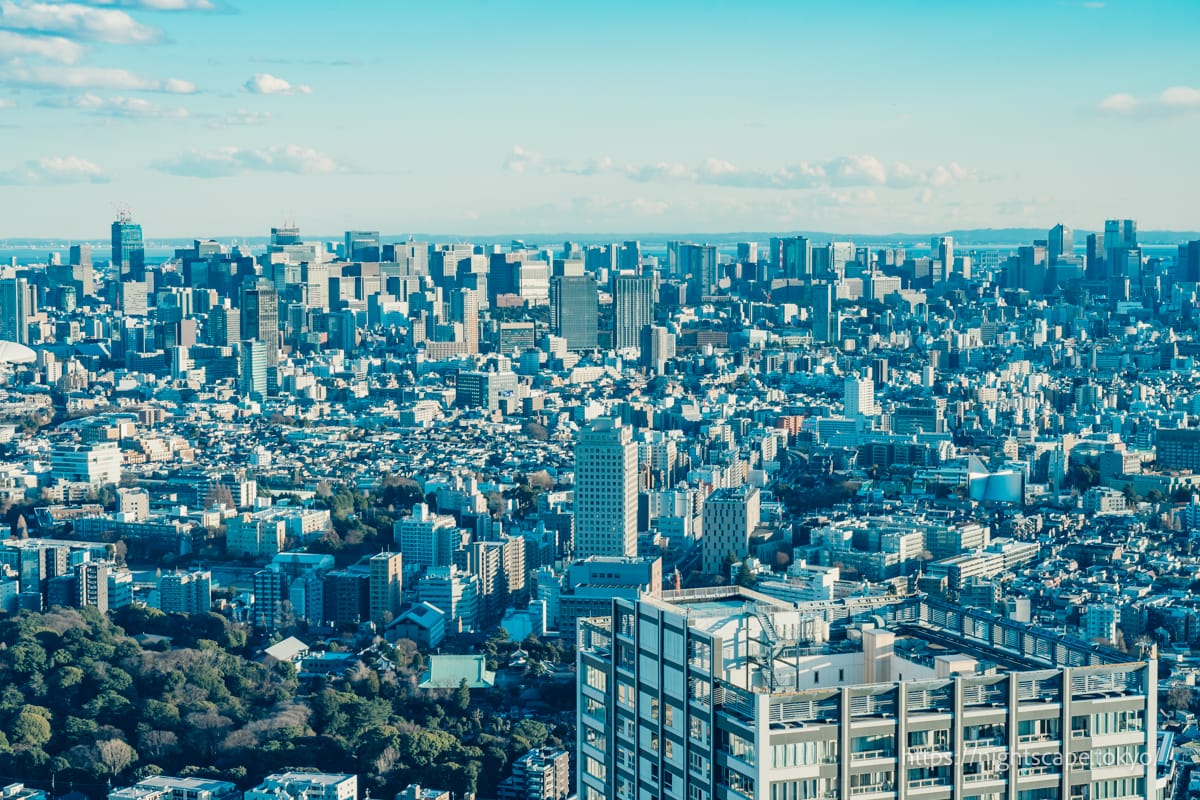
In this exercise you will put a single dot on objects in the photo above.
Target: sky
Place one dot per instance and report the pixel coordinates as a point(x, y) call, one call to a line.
point(226, 117)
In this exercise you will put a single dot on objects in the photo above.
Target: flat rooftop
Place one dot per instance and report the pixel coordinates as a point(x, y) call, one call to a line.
point(770, 644)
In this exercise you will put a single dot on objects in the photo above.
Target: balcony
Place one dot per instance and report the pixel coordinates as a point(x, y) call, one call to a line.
point(929, 783)
point(866, 755)
point(981, 777)
point(874, 788)
point(991, 741)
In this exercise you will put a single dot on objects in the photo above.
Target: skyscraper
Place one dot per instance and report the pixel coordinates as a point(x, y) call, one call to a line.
point(253, 376)
point(633, 309)
point(464, 309)
point(362, 246)
point(574, 308)
point(385, 586)
point(16, 307)
point(631, 256)
point(82, 276)
point(1119, 235)
point(859, 396)
point(825, 322)
point(224, 326)
point(727, 694)
point(260, 318)
point(942, 249)
point(1062, 242)
point(606, 489)
point(658, 347)
point(796, 257)
point(699, 262)
point(128, 250)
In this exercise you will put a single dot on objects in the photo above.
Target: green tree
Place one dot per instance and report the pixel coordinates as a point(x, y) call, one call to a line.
point(462, 696)
point(30, 729)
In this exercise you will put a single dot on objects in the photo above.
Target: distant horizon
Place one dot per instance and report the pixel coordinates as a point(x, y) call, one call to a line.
point(972, 236)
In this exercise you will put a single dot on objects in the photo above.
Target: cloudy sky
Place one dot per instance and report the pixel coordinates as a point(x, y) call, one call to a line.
point(224, 117)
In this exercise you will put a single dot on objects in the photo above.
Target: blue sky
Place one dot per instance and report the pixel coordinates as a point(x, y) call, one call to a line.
point(224, 117)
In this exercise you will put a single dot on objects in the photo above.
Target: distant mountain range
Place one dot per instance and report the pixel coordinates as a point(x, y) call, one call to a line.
point(972, 237)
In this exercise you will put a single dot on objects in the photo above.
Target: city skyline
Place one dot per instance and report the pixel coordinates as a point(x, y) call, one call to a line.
point(185, 111)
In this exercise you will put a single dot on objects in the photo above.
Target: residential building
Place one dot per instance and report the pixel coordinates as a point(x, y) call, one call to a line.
point(725, 693)
point(730, 517)
point(606, 487)
point(386, 586)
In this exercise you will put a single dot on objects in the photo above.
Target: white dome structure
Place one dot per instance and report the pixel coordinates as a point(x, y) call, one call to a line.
point(15, 353)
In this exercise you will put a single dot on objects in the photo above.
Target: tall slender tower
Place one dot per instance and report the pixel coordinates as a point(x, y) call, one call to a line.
point(260, 319)
point(385, 585)
point(1062, 242)
point(633, 309)
point(464, 308)
point(606, 490)
point(128, 250)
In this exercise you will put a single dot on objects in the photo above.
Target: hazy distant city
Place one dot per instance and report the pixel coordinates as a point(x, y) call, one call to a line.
point(623, 401)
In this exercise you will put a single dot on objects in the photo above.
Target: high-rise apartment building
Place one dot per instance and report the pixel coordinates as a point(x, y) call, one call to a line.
point(606, 486)
point(727, 694)
point(730, 517)
point(574, 310)
point(386, 586)
point(185, 592)
point(633, 309)
point(423, 538)
point(128, 249)
point(859, 396)
point(542, 774)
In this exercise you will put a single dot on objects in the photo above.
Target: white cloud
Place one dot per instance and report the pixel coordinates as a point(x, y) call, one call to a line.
point(119, 106)
point(264, 83)
point(642, 207)
point(151, 5)
point(1173, 100)
point(521, 160)
point(841, 172)
point(1184, 98)
point(93, 78)
point(661, 171)
point(227, 161)
point(160, 5)
point(55, 48)
point(243, 117)
point(54, 170)
point(856, 171)
point(1118, 104)
point(76, 21)
point(5, 103)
